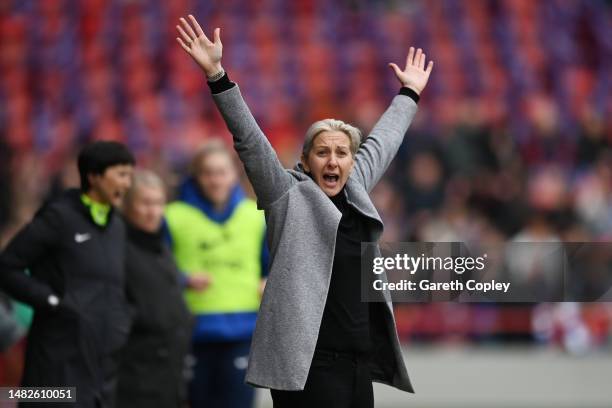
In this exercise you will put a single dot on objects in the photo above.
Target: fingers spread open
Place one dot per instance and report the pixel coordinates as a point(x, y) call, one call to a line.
point(195, 23)
point(188, 29)
point(184, 35)
point(183, 45)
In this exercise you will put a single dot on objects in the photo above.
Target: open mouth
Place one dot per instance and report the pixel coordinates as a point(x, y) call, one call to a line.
point(331, 179)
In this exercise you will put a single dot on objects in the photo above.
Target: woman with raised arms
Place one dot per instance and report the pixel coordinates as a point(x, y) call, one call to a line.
point(316, 344)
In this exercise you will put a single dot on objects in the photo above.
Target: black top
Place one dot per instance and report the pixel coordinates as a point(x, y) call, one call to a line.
point(345, 323)
point(67, 254)
point(82, 263)
point(151, 369)
point(153, 285)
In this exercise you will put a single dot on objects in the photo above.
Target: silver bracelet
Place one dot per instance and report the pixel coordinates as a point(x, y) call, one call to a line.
point(217, 76)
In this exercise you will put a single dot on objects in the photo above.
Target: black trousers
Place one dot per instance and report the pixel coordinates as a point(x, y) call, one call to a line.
point(335, 380)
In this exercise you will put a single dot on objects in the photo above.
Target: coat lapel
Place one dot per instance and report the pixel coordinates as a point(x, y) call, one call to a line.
point(359, 198)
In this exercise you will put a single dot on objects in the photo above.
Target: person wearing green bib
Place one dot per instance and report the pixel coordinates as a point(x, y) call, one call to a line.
point(217, 237)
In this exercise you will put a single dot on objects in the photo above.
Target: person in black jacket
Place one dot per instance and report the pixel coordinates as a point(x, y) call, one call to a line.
point(74, 250)
point(152, 363)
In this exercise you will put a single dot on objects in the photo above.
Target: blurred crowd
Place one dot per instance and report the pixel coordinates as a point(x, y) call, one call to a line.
point(512, 141)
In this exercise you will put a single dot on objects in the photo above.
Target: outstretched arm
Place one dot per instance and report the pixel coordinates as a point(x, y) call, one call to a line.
point(265, 171)
point(381, 145)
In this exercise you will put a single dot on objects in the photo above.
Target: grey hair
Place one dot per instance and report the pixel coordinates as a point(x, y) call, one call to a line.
point(142, 177)
point(212, 146)
point(331, 125)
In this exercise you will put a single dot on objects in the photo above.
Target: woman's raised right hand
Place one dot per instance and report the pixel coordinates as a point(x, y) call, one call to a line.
point(195, 43)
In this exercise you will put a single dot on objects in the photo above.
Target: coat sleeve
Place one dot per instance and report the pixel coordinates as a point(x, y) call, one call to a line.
point(381, 145)
point(34, 241)
point(263, 168)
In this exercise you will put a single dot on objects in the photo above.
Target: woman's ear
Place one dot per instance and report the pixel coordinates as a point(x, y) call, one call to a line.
point(305, 164)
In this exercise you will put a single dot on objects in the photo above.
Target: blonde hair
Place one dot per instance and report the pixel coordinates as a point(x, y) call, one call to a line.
point(143, 177)
point(331, 125)
point(210, 147)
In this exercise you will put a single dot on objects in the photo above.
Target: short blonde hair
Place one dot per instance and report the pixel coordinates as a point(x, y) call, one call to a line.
point(210, 147)
point(331, 125)
point(143, 177)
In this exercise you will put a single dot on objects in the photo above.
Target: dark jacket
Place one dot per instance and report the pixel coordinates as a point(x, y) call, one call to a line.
point(68, 255)
point(151, 371)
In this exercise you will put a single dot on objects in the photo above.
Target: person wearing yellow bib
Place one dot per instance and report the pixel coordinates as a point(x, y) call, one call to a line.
point(217, 237)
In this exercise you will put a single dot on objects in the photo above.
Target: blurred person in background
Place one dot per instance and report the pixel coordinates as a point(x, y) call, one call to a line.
point(424, 183)
point(316, 343)
point(151, 372)
point(217, 237)
point(74, 251)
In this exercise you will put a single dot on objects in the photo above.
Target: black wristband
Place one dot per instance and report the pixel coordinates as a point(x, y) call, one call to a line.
point(409, 93)
point(220, 85)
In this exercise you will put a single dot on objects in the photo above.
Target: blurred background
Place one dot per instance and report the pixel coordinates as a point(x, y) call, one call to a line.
point(512, 142)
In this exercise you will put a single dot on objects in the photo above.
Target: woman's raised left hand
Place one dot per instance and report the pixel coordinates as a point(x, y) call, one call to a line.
point(414, 76)
point(206, 53)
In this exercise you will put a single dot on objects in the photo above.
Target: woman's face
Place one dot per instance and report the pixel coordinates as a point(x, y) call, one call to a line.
point(330, 161)
point(145, 209)
point(110, 187)
point(216, 177)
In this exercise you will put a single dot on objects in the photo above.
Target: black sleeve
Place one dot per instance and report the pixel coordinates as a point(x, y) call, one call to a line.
point(409, 93)
point(220, 85)
point(34, 241)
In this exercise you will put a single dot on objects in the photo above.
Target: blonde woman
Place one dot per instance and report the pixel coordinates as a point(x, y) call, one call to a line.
point(315, 342)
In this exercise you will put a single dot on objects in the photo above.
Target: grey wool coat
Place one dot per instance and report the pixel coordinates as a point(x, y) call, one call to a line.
point(302, 223)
